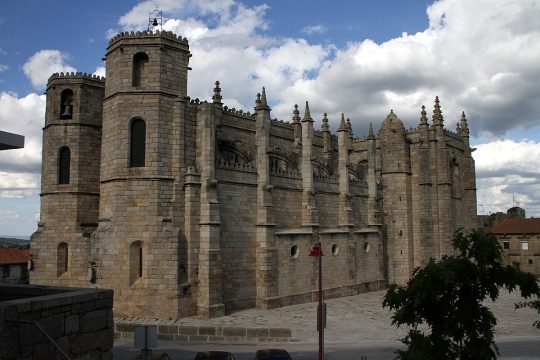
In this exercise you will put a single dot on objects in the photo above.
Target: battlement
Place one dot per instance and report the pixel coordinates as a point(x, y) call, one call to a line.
point(76, 75)
point(146, 34)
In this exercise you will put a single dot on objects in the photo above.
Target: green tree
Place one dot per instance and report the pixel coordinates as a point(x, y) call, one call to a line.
point(442, 304)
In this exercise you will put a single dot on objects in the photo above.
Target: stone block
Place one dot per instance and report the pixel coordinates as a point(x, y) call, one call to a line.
point(167, 329)
point(188, 330)
point(279, 332)
point(198, 338)
point(71, 324)
point(207, 330)
point(234, 331)
point(94, 320)
point(166, 337)
point(257, 333)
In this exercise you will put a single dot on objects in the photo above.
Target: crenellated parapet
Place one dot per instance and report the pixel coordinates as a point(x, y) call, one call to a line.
point(148, 34)
point(76, 75)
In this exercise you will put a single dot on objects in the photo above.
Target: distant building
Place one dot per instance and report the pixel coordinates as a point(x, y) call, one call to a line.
point(13, 265)
point(520, 240)
point(488, 221)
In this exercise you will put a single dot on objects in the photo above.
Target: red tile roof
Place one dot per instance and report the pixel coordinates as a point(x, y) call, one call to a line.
point(13, 256)
point(517, 226)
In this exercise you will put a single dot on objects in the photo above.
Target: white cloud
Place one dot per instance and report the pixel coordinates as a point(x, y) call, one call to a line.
point(21, 167)
point(315, 29)
point(40, 66)
point(508, 171)
point(100, 71)
point(479, 56)
point(3, 67)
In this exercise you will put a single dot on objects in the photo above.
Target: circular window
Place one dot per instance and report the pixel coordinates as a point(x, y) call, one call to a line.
point(294, 251)
point(367, 247)
point(335, 250)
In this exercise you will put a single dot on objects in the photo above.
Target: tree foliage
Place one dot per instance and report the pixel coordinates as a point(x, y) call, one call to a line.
point(442, 304)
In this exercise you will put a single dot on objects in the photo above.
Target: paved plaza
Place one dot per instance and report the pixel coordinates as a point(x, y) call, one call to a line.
point(356, 325)
point(359, 319)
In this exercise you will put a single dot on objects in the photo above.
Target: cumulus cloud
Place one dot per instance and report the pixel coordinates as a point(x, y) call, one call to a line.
point(100, 71)
point(478, 56)
point(507, 171)
point(3, 67)
point(39, 67)
point(21, 167)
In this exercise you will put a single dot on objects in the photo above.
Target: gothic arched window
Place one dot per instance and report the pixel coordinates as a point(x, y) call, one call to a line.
point(66, 104)
point(64, 164)
point(135, 261)
point(454, 172)
point(140, 68)
point(137, 151)
point(62, 258)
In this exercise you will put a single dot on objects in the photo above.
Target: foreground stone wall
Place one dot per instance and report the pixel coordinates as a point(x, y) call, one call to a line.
point(173, 330)
point(79, 321)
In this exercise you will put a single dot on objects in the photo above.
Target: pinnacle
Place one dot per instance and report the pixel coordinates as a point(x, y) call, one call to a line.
point(307, 115)
point(342, 126)
point(216, 98)
point(296, 114)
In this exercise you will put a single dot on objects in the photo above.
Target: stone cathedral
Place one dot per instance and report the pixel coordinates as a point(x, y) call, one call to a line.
point(187, 207)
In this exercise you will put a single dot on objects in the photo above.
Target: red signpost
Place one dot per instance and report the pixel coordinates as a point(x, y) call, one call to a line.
point(316, 250)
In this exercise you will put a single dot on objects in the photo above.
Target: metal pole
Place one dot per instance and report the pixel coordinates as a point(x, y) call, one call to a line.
point(321, 320)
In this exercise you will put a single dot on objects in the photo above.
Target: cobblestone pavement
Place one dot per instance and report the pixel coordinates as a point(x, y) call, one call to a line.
point(361, 319)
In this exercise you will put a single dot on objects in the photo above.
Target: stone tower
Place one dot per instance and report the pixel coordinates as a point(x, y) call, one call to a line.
point(135, 248)
point(70, 178)
point(396, 179)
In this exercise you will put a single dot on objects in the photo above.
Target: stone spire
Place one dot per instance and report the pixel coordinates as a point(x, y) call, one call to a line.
point(216, 98)
point(297, 127)
point(257, 101)
point(342, 125)
point(349, 128)
point(423, 117)
point(370, 132)
point(307, 115)
point(437, 113)
point(463, 126)
point(261, 103)
point(325, 128)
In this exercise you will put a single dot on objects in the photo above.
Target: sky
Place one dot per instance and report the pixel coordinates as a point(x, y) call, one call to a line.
point(362, 58)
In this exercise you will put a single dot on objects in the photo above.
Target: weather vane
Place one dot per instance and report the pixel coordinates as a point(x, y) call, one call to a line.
point(153, 23)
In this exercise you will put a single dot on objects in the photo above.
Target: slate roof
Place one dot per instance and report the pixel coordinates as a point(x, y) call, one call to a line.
point(10, 256)
point(517, 226)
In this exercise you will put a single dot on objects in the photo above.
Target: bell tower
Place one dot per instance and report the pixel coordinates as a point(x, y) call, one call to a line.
point(70, 178)
point(136, 242)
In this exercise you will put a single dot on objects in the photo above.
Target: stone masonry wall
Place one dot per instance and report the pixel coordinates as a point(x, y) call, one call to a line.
point(80, 322)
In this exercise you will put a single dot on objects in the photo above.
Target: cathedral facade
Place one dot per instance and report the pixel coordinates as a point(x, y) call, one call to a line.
point(186, 207)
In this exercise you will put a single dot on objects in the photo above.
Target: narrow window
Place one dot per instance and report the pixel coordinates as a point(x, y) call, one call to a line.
point(64, 160)
point(62, 258)
point(506, 244)
point(524, 245)
point(66, 104)
point(137, 143)
point(135, 261)
point(140, 65)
